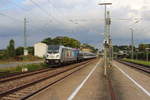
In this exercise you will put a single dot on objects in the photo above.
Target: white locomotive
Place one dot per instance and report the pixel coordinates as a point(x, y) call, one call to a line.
point(60, 54)
point(57, 54)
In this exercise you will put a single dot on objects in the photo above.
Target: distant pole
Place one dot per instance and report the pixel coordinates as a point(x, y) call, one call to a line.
point(25, 37)
point(137, 54)
point(132, 40)
point(147, 54)
point(132, 44)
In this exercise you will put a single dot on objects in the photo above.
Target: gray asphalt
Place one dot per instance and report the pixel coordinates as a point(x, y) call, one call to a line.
point(14, 64)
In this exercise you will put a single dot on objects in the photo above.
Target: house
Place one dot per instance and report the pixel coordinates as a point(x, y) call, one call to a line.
point(40, 49)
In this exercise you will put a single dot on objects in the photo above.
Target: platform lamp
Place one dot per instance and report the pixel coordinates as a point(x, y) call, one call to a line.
point(106, 36)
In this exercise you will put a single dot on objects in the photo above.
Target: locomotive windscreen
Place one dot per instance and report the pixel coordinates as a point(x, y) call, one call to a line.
point(53, 49)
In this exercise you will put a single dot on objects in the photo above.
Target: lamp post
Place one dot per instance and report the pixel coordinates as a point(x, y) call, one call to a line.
point(106, 36)
point(105, 17)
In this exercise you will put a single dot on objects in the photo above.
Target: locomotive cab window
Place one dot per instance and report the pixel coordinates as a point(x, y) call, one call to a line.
point(53, 49)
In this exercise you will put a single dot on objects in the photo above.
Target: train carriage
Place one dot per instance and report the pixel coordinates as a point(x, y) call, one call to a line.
point(86, 55)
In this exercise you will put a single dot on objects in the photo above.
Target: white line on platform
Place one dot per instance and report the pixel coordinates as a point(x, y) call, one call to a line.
point(144, 90)
point(80, 86)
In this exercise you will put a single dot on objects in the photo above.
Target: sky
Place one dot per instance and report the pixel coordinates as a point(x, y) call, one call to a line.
point(79, 19)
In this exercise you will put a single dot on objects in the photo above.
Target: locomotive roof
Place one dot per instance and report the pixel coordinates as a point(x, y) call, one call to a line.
point(59, 46)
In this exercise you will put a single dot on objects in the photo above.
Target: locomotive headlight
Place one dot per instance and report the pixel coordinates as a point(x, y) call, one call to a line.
point(57, 56)
point(46, 55)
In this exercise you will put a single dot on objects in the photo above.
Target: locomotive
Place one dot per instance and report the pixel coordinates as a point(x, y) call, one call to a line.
point(57, 54)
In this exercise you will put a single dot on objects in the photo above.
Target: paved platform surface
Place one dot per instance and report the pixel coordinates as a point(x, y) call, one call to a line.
point(127, 83)
point(95, 87)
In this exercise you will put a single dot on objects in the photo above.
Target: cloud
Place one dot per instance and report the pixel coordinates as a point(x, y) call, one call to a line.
point(81, 19)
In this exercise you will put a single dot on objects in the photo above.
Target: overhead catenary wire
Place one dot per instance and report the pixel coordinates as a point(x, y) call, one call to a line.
point(46, 12)
point(37, 5)
point(52, 6)
point(17, 5)
point(10, 17)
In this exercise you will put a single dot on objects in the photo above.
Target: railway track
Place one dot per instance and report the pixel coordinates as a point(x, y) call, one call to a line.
point(140, 67)
point(21, 75)
point(27, 85)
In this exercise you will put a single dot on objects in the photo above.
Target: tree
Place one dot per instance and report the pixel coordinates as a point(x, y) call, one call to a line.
point(2, 54)
point(142, 47)
point(48, 41)
point(87, 46)
point(31, 50)
point(19, 51)
point(115, 48)
point(62, 40)
point(11, 49)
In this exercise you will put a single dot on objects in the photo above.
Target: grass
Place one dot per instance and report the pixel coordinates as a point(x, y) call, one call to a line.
point(30, 67)
point(28, 58)
point(138, 61)
point(3, 62)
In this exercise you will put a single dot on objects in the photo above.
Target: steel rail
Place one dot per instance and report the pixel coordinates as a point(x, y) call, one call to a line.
point(3, 94)
point(137, 66)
